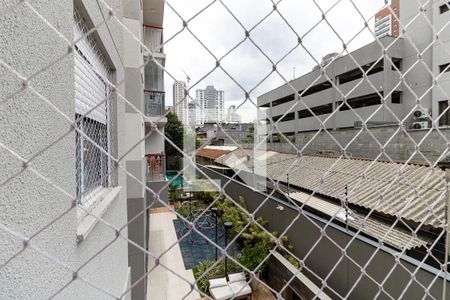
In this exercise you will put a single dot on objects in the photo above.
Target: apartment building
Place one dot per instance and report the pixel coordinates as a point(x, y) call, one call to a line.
point(386, 20)
point(232, 115)
point(192, 113)
point(181, 101)
point(371, 83)
point(210, 105)
point(144, 122)
point(69, 125)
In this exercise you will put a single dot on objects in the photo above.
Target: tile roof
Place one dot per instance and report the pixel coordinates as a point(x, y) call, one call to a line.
point(398, 238)
point(211, 153)
point(411, 192)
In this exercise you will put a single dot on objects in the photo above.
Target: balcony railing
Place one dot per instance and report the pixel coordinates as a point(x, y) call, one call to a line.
point(156, 166)
point(154, 103)
point(153, 38)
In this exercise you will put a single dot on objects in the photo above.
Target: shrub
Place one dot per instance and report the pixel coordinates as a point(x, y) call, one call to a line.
point(174, 193)
point(186, 207)
point(252, 256)
point(253, 235)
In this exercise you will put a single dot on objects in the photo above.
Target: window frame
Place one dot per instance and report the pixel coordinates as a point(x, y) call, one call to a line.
point(93, 135)
point(444, 120)
point(444, 8)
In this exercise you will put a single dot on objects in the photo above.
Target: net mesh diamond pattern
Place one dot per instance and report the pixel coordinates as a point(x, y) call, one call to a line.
point(336, 212)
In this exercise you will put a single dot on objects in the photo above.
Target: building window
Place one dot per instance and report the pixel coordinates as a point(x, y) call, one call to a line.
point(154, 103)
point(287, 117)
point(397, 64)
point(396, 97)
point(317, 110)
point(363, 101)
point(357, 73)
point(281, 100)
point(315, 88)
point(444, 68)
point(444, 8)
point(444, 120)
point(93, 119)
point(154, 76)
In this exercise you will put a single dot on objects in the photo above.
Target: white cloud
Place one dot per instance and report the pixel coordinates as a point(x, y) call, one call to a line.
point(219, 32)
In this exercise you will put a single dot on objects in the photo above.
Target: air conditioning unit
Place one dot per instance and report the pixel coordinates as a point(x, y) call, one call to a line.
point(420, 125)
point(421, 113)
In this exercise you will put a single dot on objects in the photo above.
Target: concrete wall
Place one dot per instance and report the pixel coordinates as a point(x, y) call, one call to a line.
point(27, 126)
point(154, 143)
point(137, 258)
point(400, 147)
point(385, 81)
point(304, 231)
point(440, 56)
point(421, 56)
point(136, 162)
point(278, 275)
point(158, 187)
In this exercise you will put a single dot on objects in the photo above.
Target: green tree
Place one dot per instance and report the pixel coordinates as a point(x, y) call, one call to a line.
point(174, 132)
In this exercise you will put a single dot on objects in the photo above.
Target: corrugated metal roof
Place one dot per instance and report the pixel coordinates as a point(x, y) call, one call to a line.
point(411, 192)
point(400, 239)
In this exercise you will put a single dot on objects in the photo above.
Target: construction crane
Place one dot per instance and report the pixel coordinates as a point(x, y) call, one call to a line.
point(187, 77)
point(187, 97)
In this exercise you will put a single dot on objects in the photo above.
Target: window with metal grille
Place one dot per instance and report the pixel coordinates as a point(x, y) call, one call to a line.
point(444, 120)
point(92, 115)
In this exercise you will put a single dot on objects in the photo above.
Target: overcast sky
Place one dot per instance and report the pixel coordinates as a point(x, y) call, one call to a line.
point(220, 32)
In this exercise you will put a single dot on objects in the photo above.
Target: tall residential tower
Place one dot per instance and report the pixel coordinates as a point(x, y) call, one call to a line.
point(386, 20)
point(210, 105)
point(180, 101)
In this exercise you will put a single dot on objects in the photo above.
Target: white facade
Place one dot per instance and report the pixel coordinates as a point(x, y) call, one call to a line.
point(48, 251)
point(232, 115)
point(192, 114)
point(145, 90)
point(210, 105)
point(324, 98)
point(180, 101)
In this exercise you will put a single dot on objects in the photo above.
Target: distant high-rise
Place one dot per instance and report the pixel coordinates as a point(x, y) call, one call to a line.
point(192, 114)
point(210, 105)
point(180, 101)
point(232, 115)
point(386, 20)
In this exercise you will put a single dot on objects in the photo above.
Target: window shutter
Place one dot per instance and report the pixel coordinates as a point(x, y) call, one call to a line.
point(91, 89)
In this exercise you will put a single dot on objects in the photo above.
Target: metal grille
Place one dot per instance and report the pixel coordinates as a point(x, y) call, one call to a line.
point(341, 196)
point(92, 107)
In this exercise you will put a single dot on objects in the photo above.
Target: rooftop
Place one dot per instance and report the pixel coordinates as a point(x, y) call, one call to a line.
point(413, 192)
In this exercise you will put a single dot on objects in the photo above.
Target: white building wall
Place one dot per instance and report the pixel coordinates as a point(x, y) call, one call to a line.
point(154, 142)
point(210, 105)
point(27, 126)
point(441, 55)
point(418, 39)
point(180, 101)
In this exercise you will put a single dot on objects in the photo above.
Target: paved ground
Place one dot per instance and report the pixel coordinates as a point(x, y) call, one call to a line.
point(194, 247)
point(162, 284)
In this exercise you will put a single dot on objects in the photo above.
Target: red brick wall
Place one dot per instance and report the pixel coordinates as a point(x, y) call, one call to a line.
point(395, 7)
